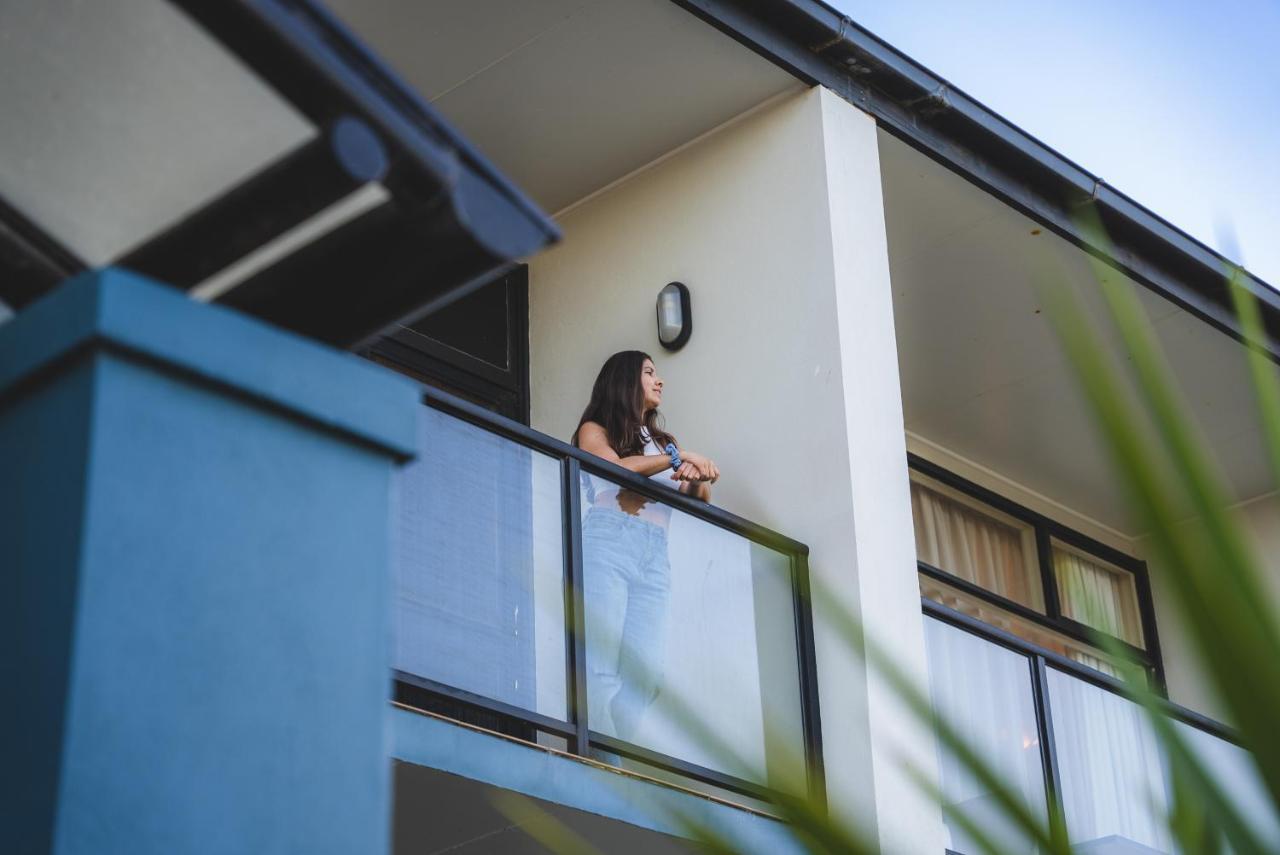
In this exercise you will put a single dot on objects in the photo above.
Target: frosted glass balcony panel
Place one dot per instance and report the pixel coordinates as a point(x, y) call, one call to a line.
point(1113, 772)
point(689, 622)
point(479, 597)
point(1236, 773)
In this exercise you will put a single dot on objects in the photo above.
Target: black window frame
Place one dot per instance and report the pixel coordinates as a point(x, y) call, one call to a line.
point(1046, 531)
point(503, 390)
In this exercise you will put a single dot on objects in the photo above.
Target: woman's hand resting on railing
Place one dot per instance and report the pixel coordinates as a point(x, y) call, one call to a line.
point(696, 468)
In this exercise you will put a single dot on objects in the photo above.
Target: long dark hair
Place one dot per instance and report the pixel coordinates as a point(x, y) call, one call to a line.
point(617, 405)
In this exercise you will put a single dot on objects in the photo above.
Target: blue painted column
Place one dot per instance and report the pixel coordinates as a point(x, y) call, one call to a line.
point(195, 523)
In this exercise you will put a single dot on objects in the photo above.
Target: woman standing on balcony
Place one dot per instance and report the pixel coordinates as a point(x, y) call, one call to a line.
point(624, 539)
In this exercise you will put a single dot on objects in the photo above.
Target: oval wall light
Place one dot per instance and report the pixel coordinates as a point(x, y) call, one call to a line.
point(675, 318)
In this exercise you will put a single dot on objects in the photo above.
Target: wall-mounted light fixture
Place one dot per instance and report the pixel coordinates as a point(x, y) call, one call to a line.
point(675, 318)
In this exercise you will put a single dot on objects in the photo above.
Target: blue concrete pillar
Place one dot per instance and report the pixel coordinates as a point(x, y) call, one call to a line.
point(195, 522)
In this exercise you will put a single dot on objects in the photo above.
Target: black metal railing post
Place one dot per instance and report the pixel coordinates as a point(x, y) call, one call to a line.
point(575, 604)
point(810, 708)
point(1048, 747)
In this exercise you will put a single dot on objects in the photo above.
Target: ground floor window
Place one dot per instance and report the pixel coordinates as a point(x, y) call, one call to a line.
point(999, 562)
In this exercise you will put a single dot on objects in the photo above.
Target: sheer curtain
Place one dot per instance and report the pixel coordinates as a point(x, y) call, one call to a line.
point(977, 547)
point(984, 691)
point(1098, 595)
point(1113, 775)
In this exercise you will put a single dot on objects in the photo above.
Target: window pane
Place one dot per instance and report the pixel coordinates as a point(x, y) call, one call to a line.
point(975, 542)
point(479, 599)
point(1076, 651)
point(1097, 593)
point(476, 324)
point(984, 691)
point(1113, 777)
point(686, 620)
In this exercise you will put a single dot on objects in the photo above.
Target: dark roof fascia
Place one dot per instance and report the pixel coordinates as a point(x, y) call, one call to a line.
point(820, 46)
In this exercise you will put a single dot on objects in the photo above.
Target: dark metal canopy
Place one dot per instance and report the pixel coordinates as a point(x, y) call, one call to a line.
point(449, 223)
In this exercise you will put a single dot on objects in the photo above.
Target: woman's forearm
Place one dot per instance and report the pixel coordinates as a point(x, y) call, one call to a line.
point(646, 464)
point(654, 464)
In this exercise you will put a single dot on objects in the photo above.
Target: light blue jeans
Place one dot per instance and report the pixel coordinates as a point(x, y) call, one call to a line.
point(627, 582)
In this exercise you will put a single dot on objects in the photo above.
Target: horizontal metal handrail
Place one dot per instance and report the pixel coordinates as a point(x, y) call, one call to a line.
point(543, 722)
point(1023, 612)
point(1017, 644)
point(524, 435)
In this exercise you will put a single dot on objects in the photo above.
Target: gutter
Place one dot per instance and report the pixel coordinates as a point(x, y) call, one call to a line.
point(820, 46)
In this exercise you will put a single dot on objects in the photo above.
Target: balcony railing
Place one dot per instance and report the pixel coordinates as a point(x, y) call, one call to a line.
point(1055, 729)
point(547, 594)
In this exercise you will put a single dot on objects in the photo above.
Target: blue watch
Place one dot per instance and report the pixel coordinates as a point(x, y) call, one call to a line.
point(675, 455)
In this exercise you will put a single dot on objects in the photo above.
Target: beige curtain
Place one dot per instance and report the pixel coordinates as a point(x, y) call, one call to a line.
point(976, 547)
point(1098, 595)
point(1097, 663)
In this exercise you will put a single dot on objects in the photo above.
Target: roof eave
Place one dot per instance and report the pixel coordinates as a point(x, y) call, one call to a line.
point(818, 45)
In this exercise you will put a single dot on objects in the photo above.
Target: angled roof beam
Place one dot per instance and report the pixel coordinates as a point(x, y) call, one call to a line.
point(345, 157)
point(447, 201)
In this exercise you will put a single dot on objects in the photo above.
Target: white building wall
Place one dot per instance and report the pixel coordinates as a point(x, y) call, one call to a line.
point(789, 381)
point(882, 588)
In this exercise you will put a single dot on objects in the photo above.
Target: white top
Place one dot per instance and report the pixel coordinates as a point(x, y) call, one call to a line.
point(650, 449)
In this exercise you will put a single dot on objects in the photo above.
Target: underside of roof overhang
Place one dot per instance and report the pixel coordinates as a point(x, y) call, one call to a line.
point(819, 45)
point(984, 378)
point(567, 96)
point(256, 151)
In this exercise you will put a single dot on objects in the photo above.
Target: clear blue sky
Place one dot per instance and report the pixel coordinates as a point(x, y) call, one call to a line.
point(1176, 104)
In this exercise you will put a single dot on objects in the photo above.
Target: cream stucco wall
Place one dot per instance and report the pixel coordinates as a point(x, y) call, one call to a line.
point(740, 218)
point(789, 381)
